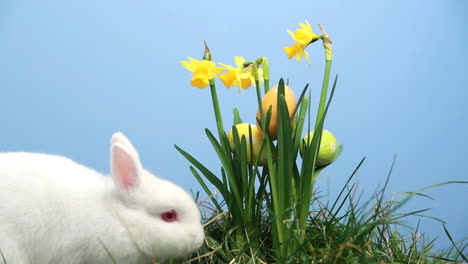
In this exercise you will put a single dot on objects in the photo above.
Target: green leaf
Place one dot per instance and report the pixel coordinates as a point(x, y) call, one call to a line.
point(237, 118)
point(226, 162)
point(310, 157)
point(285, 152)
point(299, 101)
point(206, 172)
point(205, 188)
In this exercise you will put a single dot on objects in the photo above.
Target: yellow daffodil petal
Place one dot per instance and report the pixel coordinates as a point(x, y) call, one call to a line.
point(229, 79)
point(187, 65)
point(207, 64)
point(291, 51)
point(241, 76)
point(200, 78)
point(232, 77)
point(302, 38)
point(191, 65)
point(292, 35)
point(299, 53)
point(306, 55)
point(228, 67)
point(239, 61)
point(245, 82)
point(194, 61)
point(306, 26)
point(215, 71)
point(199, 83)
point(203, 71)
point(304, 35)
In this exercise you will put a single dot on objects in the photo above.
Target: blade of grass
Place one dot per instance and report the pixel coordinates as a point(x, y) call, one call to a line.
point(108, 252)
point(410, 213)
point(406, 198)
point(419, 194)
point(431, 217)
point(434, 186)
point(454, 244)
point(348, 194)
point(3, 257)
point(382, 192)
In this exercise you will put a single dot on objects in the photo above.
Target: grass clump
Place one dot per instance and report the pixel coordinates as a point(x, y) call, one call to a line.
point(344, 231)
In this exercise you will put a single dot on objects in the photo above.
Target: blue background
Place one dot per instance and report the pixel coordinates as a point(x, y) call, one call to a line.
point(73, 72)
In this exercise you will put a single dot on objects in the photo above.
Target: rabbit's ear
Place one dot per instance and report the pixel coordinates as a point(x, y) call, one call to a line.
point(126, 170)
point(119, 137)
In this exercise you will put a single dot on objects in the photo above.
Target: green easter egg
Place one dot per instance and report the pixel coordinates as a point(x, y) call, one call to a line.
point(327, 150)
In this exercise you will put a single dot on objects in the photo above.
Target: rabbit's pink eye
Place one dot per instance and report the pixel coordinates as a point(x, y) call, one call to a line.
point(169, 216)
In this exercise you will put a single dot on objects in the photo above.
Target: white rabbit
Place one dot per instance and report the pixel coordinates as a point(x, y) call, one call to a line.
point(53, 210)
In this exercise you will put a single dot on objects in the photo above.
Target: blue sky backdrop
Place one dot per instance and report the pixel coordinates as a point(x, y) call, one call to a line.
point(73, 72)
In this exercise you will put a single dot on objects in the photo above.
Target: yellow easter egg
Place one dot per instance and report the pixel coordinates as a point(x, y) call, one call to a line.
point(252, 147)
point(271, 99)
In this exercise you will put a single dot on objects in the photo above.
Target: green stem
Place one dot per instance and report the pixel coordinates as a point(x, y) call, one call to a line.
point(266, 76)
point(308, 185)
point(219, 120)
point(323, 96)
point(266, 72)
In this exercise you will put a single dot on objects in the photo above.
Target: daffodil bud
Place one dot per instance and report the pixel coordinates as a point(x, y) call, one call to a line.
point(207, 54)
point(327, 44)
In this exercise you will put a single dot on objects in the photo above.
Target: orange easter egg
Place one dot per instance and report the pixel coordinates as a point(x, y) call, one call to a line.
point(271, 99)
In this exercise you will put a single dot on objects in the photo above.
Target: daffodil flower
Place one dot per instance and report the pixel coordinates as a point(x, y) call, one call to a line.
point(203, 71)
point(241, 76)
point(298, 51)
point(232, 77)
point(303, 37)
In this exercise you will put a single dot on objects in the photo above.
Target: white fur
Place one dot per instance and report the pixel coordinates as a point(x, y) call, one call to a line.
point(53, 210)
